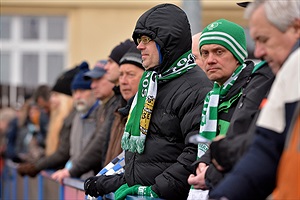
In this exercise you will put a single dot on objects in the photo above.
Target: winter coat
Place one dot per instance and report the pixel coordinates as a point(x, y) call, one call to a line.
point(241, 114)
point(166, 161)
point(287, 184)
point(92, 158)
point(82, 131)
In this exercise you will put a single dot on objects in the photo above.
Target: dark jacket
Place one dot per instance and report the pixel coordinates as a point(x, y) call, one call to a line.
point(241, 115)
point(166, 161)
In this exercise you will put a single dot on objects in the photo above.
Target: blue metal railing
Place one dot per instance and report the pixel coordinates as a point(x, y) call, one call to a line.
point(44, 187)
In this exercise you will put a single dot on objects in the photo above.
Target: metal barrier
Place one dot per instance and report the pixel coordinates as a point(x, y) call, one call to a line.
point(43, 187)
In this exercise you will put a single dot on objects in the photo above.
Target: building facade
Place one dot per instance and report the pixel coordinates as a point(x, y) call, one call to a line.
point(41, 38)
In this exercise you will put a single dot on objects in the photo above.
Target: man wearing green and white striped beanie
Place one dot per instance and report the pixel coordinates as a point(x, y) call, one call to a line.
point(223, 51)
point(227, 34)
point(222, 46)
point(229, 107)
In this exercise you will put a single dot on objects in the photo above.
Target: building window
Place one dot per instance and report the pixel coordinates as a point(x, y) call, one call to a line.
point(30, 28)
point(4, 67)
point(33, 50)
point(5, 27)
point(56, 28)
point(54, 63)
point(30, 69)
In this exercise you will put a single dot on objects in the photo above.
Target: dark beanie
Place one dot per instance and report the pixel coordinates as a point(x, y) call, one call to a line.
point(79, 82)
point(63, 82)
point(133, 56)
point(118, 52)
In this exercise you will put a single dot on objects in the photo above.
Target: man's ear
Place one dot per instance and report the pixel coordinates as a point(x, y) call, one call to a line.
point(296, 26)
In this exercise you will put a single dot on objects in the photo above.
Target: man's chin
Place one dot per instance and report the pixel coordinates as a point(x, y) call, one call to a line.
point(274, 67)
point(80, 108)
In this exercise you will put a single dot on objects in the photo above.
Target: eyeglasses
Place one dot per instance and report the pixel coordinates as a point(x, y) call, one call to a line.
point(143, 39)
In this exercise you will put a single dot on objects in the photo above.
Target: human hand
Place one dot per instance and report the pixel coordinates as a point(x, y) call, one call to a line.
point(27, 169)
point(217, 155)
point(90, 187)
point(216, 164)
point(219, 137)
point(59, 175)
point(198, 180)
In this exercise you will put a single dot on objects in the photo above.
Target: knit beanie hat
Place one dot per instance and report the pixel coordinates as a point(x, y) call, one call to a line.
point(133, 56)
point(118, 52)
point(228, 34)
point(63, 82)
point(79, 82)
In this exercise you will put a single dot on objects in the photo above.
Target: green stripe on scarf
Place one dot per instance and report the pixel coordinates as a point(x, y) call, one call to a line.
point(209, 118)
point(142, 106)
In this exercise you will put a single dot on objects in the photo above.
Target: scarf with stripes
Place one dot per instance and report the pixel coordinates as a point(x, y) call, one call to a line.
point(209, 118)
point(138, 121)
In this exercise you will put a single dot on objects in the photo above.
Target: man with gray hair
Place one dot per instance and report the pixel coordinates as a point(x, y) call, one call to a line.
point(275, 28)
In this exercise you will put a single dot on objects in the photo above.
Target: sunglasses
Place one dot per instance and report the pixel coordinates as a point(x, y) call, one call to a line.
point(143, 39)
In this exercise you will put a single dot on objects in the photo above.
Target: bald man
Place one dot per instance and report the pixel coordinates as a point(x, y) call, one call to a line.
point(195, 49)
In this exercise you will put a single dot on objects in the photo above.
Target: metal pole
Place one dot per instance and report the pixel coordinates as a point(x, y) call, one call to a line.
point(193, 10)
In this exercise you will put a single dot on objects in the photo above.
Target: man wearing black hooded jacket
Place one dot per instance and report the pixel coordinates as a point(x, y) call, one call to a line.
point(158, 156)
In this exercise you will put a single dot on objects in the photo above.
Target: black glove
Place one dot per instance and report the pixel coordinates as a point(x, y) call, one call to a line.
point(90, 187)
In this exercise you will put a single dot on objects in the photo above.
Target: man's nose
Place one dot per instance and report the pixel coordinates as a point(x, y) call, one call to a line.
point(259, 51)
point(211, 58)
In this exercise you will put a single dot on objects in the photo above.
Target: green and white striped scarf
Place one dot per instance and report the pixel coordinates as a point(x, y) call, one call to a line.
point(209, 118)
point(141, 109)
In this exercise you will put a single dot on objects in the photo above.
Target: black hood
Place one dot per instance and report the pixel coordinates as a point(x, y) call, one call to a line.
point(168, 26)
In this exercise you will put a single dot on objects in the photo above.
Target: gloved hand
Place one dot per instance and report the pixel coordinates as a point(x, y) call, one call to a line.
point(125, 190)
point(27, 169)
point(90, 187)
point(220, 155)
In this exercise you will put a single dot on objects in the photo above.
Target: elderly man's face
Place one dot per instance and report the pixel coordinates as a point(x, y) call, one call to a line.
point(129, 80)
point(271, 44)
point(83, 99)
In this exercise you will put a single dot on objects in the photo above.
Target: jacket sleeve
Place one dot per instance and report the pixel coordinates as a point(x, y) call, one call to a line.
point(229, 150)
point(108, 184)
point(254, 176)
point(59, 158)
